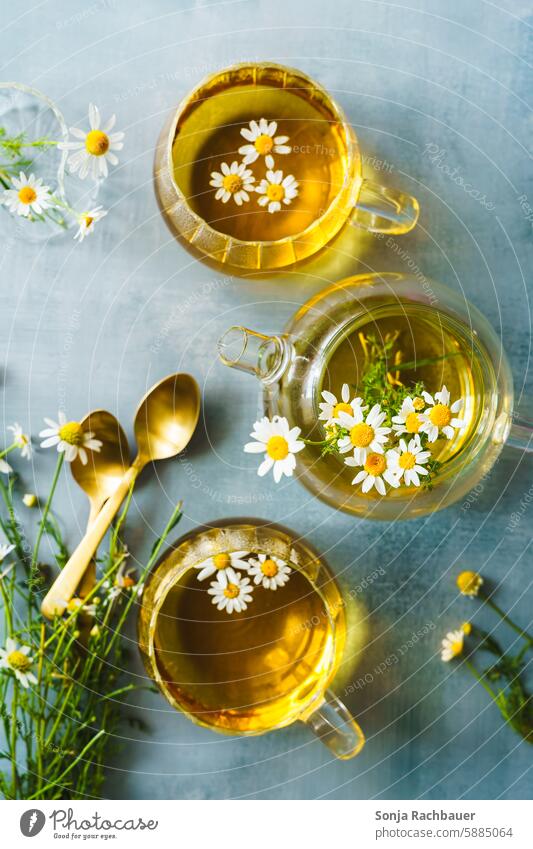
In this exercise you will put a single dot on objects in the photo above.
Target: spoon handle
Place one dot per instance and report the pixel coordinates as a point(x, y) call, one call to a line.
point(65, 584)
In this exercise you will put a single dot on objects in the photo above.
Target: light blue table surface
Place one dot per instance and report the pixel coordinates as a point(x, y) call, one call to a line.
point(81, 327)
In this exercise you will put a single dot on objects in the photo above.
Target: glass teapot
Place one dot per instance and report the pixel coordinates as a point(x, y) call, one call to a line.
point(442, 340)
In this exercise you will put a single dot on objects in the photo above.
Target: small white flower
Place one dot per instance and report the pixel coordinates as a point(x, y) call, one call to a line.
point(29, 195)
point(263, 142)
point(22, 439)
point(5, 468)
point(408, 462)
point(95, 148)
point(87, 220)
point(271, 572)
point(278, 442)
point(452, 645)
point(70, 438)
point(330, 407)
point(29, 499)
point(408, 419)
point(277, 189)
point(220, 563)
point(77, 605)
point(439, 415)
point(112, 591)
point(365, 435)
point(16, 659)
point(231, 592)
point(5, 550)
point(375, 472)
point(234, 181)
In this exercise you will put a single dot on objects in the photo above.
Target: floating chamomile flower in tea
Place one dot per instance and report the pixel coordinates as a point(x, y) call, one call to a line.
point(233, 181)
point(263, 142)
point(330, 407)
point(276, 189)
point(269, 571)
point(439, 415)
point(231, 592)
point(220, 563)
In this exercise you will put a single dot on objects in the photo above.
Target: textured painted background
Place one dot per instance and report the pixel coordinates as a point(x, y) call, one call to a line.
point(85, 327)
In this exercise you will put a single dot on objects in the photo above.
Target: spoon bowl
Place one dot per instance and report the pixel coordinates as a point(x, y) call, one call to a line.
point(105, 469)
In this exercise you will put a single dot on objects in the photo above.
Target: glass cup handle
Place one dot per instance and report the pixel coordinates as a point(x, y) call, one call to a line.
point(334, 725)
point(521, 434)
point(380, 209)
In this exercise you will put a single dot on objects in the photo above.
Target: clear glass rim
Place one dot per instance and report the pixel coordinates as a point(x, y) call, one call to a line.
point(352, 149)
point(34, 92)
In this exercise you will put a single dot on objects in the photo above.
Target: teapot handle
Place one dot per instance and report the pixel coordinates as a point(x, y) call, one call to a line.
point(334, 725)
point(380, 209)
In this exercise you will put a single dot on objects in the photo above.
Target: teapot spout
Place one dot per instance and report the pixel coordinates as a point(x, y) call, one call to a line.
point(266, 357)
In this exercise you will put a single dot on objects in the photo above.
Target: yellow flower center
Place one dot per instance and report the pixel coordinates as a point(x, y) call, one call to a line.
point(375, 464)
point(418, 404)
point(277, 448)
point(407, 460)
point(264, 144)
point(126, 581)
point(466, 628)
point(96, 143)
point(275, 191)
point(269, 568)
point(456, 647)
point(469, 583)
point(87, 220)
point(412, 423)
point(361, 435)
point(18, 660)
point(232, 591)
point(221, 561)
point(71, 432)
point(74, 605)
point(232, 183)
point(341, 407)
point(27, 195)
point(440, 415)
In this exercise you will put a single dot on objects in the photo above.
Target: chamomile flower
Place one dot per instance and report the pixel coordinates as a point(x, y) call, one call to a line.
point(365, 435)
point(22, 439)
point(70, 438)
point(271, 572)
point(233, 181)
point(408, 419)
point(5, 550)
point(5, 468)
point(263, 142)
point(77, 605)
point(95, 148)
point(279, 443)
point(376, 470)
point(439, 415)
point(16, 659)
point(452, 645)
point(87, 220)
point(408, 460)
point(277, 189)
point(231, 592)
point(469, 583)
point(330, 407)
point(29, 499)
point(29, 195)
point(220, 563)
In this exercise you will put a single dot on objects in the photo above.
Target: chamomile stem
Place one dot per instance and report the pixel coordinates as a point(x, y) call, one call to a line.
point(8, 449)
point(14, 728)
point(509, 621)
point(71, 766)
point(42, 525)
point(481, 680)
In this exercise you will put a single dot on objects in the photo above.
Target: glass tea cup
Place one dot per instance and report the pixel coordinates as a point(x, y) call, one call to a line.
point(260, 669)
point(447, 341)
point(225, 159)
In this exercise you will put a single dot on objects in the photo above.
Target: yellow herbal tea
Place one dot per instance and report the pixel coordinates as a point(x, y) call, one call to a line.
point(210, 135)
point(248, 671)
